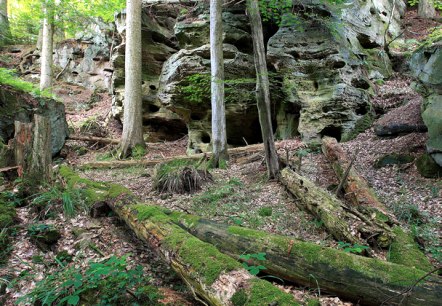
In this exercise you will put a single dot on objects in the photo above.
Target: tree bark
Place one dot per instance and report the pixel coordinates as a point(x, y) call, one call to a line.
point(41, 158)
point(5, 33)
point(133, 121)
point(214, 277)
point(263, 89)
point(47, 48)
point(32, 150)
point(22, 145)
point(426, 9)
point(219, 136)
point(366, 281)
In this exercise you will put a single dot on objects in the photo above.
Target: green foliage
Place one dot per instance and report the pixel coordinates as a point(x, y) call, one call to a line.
point(9, 77)
point(352, 248)
point(437, 3)
point(102, 283)
point(58, 199)
point(252, 269)
point(69, 16)
point(198, 90)
point(180, 176)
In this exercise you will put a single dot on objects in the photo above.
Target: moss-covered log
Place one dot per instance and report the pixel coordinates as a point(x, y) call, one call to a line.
point(364, 280)
point(355, 186)
point(333, 213)
point(403, 249)
point(215, 277)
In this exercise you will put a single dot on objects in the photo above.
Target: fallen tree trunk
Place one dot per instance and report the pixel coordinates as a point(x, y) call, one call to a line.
point(356, 187)
point(333, 213)
point(233, 155)
point(94, 139)
point(366, 281)
point(403, 249)
point(215, 277)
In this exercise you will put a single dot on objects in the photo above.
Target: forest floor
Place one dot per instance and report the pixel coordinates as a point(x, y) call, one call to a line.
point(239, 195)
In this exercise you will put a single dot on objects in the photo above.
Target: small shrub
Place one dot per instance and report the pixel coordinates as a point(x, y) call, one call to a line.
point(352, 248)
point(107, 282)
point(265, 211)
point(180, 176)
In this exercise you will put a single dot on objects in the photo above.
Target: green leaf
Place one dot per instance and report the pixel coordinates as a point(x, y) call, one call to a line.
point(73, 300)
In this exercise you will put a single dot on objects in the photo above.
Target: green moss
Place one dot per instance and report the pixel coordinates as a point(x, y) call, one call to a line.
point(94, 191)
point(405, 251)
point(246, 232)
point(206, 259)
point(427, 167)
point(239, 298)
point(313, 302)
point(263, 294)
point(360, 126)
point(154, 213)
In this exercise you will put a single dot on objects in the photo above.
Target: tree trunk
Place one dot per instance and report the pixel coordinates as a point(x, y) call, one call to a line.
point(214, 277)
point(5, 33)
point(426, 9)
point(263, 89)
point(320, 203)
point(355, 186)
point(32, 151)
point(366, 281)
point(41, 158)
point(133, 122)
point(219, 136)
point(47, 48)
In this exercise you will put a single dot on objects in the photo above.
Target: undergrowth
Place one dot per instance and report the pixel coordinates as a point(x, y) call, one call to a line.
point(58, 199)
point(106, 282)
point(180, 176)
point(8, 77)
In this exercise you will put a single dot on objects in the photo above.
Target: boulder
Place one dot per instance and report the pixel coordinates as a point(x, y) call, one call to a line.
point(21, 106)
point(427, 167)
point(393, 159)
point(426, 66)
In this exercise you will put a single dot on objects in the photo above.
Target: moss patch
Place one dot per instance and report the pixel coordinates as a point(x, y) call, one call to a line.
point(405, 251)
point(7, 214)
point(262, 294)
point(360, 126)
point(427, 167)
point(393, 159)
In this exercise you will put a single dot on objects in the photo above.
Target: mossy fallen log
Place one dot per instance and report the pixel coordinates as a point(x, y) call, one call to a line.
point(366, 281)
point(213, 276)
point(403, 250)
point(333, 213)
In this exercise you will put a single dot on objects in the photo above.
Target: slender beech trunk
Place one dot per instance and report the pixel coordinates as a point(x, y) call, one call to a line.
point(133, 123)
point(47, 48)
point(219, 137)
point(4, 22)
point(263, 89)
point(426, 9)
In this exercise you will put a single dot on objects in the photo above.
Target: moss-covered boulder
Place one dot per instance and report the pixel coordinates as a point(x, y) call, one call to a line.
point(20, 100)
point(393, 159)
point(426, 65)
point(427, 167)
point(44, 235)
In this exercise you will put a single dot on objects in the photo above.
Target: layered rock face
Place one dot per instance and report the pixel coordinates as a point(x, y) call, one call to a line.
point(426, 65)
point(322, 62)
point(85, 59)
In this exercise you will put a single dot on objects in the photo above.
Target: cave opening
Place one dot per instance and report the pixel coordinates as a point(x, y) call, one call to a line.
point(160, 129)
point(332, 131)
